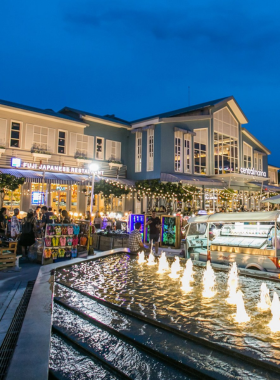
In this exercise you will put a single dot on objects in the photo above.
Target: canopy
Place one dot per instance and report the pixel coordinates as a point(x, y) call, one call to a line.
point(192, 180)
point(275, 199)
point(221, 217)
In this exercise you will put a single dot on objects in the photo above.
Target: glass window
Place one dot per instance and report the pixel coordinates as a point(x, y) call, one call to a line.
point(82, 145)
point(40, 138)
point(200, 151)
point(187, 154)
point(178, 167)
point(225, 142)
point(15, 135)
point(247, 155)
point(138, 152)
point(150, 150)
point(99, 153)
point(61, 142)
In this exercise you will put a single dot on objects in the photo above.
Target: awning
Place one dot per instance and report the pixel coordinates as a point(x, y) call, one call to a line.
point(122, 181)
point(266, 187)
point(185, 131)
point(192, 180)
point(29, 175)
point(275, 199)
point(222, 217)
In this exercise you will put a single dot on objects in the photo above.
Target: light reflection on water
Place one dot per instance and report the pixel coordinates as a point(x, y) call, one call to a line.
point(122, 281)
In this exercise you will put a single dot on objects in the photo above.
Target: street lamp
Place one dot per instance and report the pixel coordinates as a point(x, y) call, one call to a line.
point(93, 168)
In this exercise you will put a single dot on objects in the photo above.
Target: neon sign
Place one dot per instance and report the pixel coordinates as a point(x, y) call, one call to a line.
point(253, 171)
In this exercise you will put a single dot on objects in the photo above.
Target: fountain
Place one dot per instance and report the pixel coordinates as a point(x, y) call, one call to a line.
point(175, 268)
point(208, 281)
point(265, 302)
point(274, 324)
point(163, 263)
point(232, 285)
point(189, 269)
point(241, 315)
point(151, 259)
point(141, 258)
point(187, 277)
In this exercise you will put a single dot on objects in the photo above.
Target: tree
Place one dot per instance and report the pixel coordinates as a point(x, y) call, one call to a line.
point(9, 182)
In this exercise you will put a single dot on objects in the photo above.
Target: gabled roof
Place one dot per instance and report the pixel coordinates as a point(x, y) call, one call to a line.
point(110, 118)
point(47, 112)
point(255, 140)
point(229, 99)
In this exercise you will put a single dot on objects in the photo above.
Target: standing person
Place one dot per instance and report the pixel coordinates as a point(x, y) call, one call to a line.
point(15, 227)
point(37, 214)
point(65, 217)
point(154, 223)
point(27, 237)
point(3, 220)
point(97, 221)
point(135, 243)
point(46, 217)
point(88, 217)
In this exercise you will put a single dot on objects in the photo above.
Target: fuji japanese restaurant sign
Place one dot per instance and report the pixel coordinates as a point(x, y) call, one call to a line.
point(253, 171)
point(17, 163)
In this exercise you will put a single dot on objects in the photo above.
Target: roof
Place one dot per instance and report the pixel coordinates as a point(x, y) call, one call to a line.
point(267, 216)
point(111, 118)
point(256, 141)
point(273, 166)
point(184, 110)
point(47, 112)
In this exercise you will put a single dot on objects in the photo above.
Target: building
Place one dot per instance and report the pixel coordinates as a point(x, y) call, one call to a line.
point(205, 145)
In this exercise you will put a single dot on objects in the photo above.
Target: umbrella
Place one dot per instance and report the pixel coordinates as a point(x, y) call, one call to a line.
point(275, 199)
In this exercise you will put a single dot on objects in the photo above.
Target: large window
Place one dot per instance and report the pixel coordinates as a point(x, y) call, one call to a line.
point(200, 151)
point(15, 134)
point(113, 150)
point(40, 138)
point(258, 161)
point(99, 152)
point(187, 154)
point(138, 151)
point(150, 150)
point(178, 154)
point(225, 142)
point(61, 146)
point(247, 155)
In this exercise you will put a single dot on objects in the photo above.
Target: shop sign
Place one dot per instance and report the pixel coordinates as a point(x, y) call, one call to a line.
point(253, 171)
point(60, 188)
point(16, 162)
point(37, 198)
point(53, 168)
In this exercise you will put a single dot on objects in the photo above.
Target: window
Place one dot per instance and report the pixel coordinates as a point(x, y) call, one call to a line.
point(15, 135)
point(225, 142)
point(40, 138)
point(187, 154)
point(178, 152)
point(99, 152)
point(150, 150)
point(258, 161)
point(200, 151)
point(138, 152)
point(113, 150)
point(82, 145)
point(247, 155)
point(61, 149)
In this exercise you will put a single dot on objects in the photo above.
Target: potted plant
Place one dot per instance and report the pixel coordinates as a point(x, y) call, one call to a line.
point(82, 157)
point(40, 151)
point(114, 163)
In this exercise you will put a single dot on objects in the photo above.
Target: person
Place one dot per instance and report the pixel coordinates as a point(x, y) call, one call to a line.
point(37, 214)
point(154, 223)
point(50, 209)
point(135, 243)
point(15, 227)
point(3, 220)
point(46, 218)
point(97, 220)
point(88, 217)
point(65, 217)
point(27, 237)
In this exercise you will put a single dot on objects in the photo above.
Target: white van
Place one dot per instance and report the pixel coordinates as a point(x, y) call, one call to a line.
point(245, 237)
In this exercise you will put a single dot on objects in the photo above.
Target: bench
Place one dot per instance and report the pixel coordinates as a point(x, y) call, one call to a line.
point(8, 256)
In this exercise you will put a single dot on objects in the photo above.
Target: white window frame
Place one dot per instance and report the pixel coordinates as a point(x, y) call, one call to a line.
point(138, 152)
point(197, 131)
point(187, 141)
point(150, 149)
point(20, 133)
point(83, 149)
point(109, 147)
point(101, 155)
point(247, 148)
point(58, 138)
point(178, 152)
point(40, 144)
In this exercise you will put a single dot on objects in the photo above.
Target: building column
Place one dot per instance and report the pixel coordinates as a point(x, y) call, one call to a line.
point(81, 207)
point(25, 196)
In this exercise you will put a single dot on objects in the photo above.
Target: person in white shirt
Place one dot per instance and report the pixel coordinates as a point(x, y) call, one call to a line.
point(15, 224)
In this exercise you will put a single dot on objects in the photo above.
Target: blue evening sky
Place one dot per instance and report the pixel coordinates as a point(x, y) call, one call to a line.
point(135, 59)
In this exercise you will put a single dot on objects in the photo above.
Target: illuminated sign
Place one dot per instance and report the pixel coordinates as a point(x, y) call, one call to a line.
point(53, 168)
point(16, 162)
point(37, 198)
point(136, 218)
point(253, 171)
